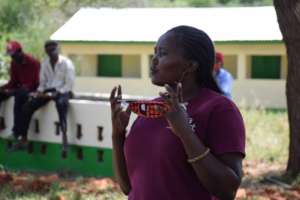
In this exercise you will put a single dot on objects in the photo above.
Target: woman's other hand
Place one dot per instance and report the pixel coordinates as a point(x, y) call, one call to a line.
point(119, 117)
point(176, 115)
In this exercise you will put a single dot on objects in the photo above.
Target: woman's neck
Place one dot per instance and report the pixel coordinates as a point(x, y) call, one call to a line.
point(190, 88)
point(189, 91)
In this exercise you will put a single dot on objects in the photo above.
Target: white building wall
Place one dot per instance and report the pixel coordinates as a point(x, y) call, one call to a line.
point(89, 114)
point(267, 93)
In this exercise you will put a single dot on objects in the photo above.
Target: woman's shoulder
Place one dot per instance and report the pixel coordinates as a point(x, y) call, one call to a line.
point(214, 101)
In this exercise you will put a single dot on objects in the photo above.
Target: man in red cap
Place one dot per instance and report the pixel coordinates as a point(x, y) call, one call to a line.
point(222, 76)
point(24, 78)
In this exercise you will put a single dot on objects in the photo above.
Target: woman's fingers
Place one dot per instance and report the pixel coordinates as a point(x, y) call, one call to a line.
point(112, 94)
point(112, 98)
point(171, 91)
point(119, 96)
point(115, 100)
point(116, 112)
point(173, 96)
point(164, 95)
point(179, 92)
point(159, 109)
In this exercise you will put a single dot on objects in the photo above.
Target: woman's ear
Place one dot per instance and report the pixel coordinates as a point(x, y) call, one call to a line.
point(190, 68)
point(193, 66)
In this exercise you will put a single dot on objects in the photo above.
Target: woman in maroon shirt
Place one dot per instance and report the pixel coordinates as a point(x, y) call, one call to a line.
point(195, 149)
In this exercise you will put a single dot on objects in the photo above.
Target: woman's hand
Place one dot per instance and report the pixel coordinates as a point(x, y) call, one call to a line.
point(119, 117)
point(176, 115)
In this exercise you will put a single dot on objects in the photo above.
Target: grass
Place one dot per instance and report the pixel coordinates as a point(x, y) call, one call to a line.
point(8, 194)
point(267, 135)
point(266, 142)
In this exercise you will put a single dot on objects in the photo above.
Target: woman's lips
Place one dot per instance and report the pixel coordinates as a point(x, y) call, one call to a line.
point(153, 71)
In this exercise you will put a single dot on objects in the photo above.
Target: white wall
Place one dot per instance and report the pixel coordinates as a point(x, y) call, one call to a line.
point(266, 93)
point(87, 113)
point(131, 66)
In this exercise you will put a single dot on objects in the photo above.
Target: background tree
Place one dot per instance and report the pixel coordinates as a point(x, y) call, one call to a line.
point(288, 14)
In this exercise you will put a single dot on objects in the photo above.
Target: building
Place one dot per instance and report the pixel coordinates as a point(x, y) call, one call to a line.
point(114, 46)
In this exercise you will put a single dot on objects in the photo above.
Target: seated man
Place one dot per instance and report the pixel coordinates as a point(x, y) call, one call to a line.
point(222, 76)
point(24, 78)
point(56, 82)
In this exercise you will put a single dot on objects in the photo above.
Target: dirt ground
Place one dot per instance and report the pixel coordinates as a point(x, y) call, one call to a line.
point(258, 183)
point(262, 181)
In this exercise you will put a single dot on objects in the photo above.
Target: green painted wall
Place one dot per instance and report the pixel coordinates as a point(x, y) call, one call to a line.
point(109, 65)
point(89, 161)
point(266, 67)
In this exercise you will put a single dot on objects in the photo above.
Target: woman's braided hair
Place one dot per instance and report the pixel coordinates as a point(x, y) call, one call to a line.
point(198, 47)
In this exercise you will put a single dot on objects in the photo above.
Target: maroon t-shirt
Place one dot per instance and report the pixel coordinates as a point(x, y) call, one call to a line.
point(156, 160)
point(24, 75)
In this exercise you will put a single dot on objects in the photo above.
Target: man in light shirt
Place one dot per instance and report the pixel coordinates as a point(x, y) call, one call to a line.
point(56, 82)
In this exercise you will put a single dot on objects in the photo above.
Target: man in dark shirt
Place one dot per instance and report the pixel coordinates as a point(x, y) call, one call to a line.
point(24, 78)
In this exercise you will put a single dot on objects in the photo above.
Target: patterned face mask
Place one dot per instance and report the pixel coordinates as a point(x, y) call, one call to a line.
point(148, 108)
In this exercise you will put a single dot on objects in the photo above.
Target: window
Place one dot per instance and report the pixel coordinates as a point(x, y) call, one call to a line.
point(109, 65)
point(265, 67)
point(119, 66)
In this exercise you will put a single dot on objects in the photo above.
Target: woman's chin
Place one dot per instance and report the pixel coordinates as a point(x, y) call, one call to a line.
point(156, 82)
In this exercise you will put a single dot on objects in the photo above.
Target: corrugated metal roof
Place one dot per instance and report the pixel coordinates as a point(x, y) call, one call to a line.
point(147, 24)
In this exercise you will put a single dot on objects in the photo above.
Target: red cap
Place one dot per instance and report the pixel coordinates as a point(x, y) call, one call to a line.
point(219, 57)
point(12, 47)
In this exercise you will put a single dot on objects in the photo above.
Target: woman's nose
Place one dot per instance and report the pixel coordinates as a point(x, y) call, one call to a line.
point(154, 60)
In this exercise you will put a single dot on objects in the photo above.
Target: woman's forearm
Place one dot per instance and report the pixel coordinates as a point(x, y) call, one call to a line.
point(119, 164)
point(218, 178)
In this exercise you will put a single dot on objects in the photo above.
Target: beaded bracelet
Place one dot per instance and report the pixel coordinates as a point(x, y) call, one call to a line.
point(191, 160)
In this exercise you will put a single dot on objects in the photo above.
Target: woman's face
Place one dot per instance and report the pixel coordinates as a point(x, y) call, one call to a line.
point(168, 64)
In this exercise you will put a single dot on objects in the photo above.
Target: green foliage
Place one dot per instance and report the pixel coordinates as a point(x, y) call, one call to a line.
point(14, 16)
point(4, 60)
point(256, 2)
point(167, 3)
point(27, 22)
point(202, 3)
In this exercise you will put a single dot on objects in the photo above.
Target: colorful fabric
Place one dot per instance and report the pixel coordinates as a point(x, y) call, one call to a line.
point(148, 109)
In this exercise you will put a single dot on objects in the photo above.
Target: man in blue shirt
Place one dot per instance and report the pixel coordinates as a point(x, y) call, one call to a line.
point(222, 76)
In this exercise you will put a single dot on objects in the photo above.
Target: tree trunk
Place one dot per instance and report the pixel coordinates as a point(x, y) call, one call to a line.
point(288, 14)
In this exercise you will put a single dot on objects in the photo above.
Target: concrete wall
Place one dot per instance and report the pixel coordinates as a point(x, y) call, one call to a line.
point(265, 93)
point(89, 114)
point(268, 93)
point(131, 66)
point(230, 64)
point(87, 65)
